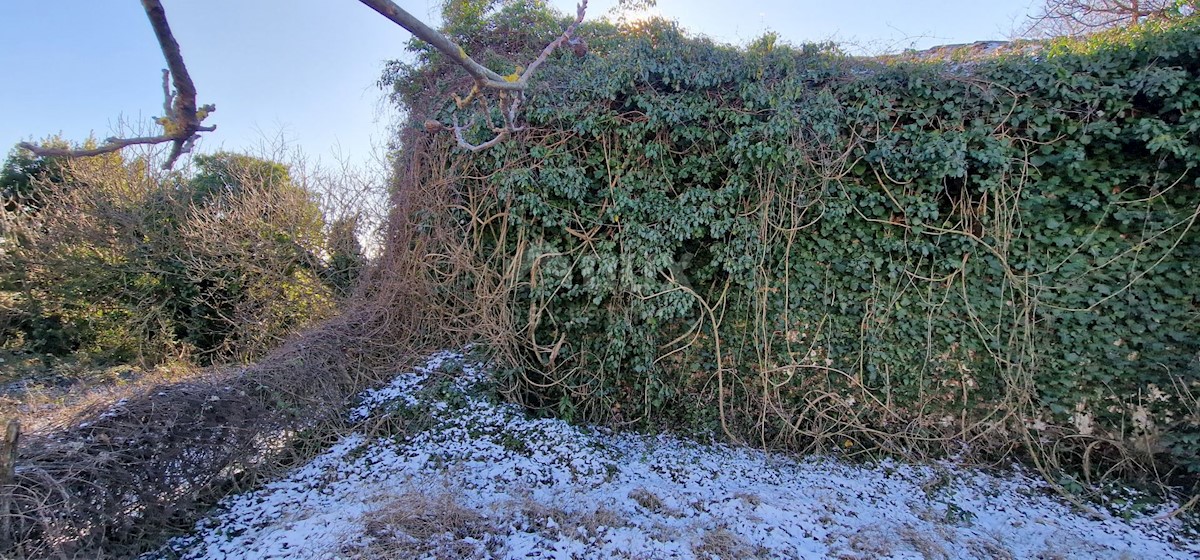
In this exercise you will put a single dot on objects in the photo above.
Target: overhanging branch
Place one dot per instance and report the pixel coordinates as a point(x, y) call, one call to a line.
point(511, 88)
point(181, 119)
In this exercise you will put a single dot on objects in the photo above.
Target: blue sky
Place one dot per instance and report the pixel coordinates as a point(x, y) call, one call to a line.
point(304, 70)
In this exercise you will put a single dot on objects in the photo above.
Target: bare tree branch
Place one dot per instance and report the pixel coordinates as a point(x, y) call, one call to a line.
point(110, 145)
point(181, 119)
point(400, 17)
point(511, 88)
point(1076, 17)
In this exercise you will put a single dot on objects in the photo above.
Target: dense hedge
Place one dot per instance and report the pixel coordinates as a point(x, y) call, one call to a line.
point(105, 261)
point(800, 246)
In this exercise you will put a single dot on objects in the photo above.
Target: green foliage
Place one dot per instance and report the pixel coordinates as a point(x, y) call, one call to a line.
point(255, 239)
point(462, 19)
point(636, 4)
point(128, 266)
point(346, 257)
point(499, 34)
point(21, 172)
point(227, 175)
point(783, 241)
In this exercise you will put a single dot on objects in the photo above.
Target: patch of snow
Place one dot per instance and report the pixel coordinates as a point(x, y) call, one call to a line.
point(403, 387)
point(541, 488)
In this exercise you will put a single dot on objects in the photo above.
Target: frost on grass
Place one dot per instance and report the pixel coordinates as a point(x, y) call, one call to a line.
point(481, 480)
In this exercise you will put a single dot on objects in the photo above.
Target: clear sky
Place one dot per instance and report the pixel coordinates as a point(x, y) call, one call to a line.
point(305, 70)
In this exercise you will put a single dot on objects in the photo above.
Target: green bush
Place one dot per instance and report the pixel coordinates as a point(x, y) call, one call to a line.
point(805, 248)
point(103, 256)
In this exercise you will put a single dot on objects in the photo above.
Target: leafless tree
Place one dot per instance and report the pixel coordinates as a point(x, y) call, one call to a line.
point(182, 119)
point(1076, 17)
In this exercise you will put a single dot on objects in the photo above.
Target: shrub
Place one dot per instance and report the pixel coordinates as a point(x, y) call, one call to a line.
point(114, 260)
point(801, 248)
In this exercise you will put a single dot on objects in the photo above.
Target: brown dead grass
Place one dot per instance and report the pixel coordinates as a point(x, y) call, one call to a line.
point(550, 522)
point(418, 524)
point(881, 540)
point(721, 543)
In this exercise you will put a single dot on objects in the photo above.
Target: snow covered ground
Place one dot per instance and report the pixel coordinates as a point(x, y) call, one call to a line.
point(477, 479)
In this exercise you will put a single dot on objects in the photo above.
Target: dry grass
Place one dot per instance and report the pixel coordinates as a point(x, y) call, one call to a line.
point(551, 522)
point(926, 546)
point(884, 540)
point(750, 499)
point(418, 524)
point(652, 503)
point(647, 500)
point(721, 543)
point(987, 549)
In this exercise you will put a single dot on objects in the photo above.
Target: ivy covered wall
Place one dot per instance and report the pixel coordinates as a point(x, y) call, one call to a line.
point(795, 247)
